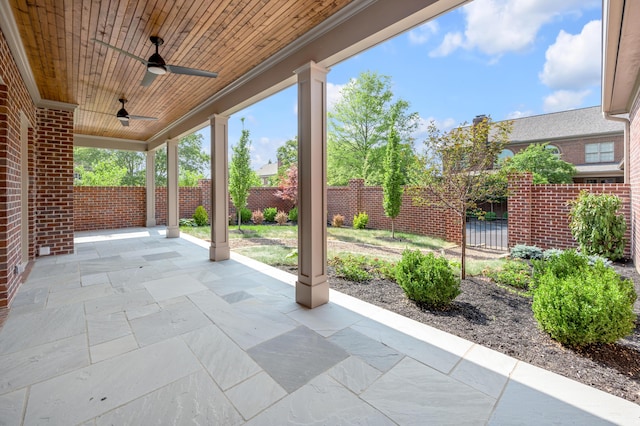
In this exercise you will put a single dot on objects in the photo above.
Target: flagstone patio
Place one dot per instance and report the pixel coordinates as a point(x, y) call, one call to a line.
point(135, 328)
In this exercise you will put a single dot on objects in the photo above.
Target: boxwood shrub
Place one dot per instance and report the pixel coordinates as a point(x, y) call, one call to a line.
point(427, 279)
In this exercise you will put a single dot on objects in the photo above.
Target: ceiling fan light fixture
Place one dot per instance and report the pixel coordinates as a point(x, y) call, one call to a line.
point(123, 115)
point(157, 69)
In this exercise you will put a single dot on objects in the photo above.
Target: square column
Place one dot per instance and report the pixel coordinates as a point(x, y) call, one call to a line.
point(173, 228)
point(312, 287)
point(151, 188)
point(219, 249)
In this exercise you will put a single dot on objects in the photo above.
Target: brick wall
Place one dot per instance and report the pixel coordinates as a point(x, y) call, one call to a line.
point(14, 101)
point(54, 180)
point(98, 208)
point(539, 214)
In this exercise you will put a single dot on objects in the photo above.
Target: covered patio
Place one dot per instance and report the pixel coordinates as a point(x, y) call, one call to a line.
point(135, 328)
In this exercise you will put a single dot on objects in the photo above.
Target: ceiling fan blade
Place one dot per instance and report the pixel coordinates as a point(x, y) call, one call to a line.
point(148, 79)
point(142, 117)
point(190, 71)
point(124, 52)
point(125, 123)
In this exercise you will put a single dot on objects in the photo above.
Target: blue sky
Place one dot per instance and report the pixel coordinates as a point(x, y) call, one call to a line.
point(503, 58)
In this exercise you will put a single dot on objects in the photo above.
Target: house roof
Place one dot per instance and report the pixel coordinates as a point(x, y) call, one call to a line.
point(270, 169)
point(563, 125)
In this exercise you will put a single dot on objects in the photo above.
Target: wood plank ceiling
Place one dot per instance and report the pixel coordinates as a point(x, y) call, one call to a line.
point(226, 36)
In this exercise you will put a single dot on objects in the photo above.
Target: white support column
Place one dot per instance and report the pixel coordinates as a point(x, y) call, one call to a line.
point(173, 207)
point(151, 188)
point(312, 287)
point(219, 249)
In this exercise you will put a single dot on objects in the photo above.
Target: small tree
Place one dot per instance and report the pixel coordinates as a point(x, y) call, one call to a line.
point(288, 187)
point(393, 178)
point(456, 169)
point(597, 225)
point(545, 165)
point(240, 173)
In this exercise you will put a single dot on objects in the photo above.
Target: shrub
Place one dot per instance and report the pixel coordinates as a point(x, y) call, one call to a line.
point(257, 217)
point(281, 218)
point(548, 254)
point(245, 215)
point(352, 268)
point(505, 215)
point(293, 214)
point(270, 214)
point(200, 216)
point(522, 251)
point(360, 220)
point(427, 279)
point(490, 216)
point(187, 222)
point(338, 221)
point(589, 305)
point(514, 273)
point(597, 226)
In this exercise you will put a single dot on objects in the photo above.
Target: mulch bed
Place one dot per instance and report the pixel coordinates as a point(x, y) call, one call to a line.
point(501, 319)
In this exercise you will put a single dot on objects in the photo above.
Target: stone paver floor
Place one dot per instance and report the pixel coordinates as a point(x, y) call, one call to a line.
point(135, 328)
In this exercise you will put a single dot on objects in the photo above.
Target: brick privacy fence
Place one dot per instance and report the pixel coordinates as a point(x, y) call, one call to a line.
point(539, 214)
point(121, 207)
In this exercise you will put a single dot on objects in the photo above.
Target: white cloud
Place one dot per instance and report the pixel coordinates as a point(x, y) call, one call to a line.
point(562, 100)
point(423, 126)
point(450, 43)
point(423, 33)
point(518, 114)
point(334, 94)
point(498, 26)
point(573, 61)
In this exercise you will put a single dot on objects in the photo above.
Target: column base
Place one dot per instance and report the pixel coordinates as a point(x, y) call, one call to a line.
point(219, 253)
point(151, 223)
point(312, 296)
point(173, 232)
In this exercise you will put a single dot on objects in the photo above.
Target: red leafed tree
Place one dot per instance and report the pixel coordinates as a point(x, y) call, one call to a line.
point(288, 187)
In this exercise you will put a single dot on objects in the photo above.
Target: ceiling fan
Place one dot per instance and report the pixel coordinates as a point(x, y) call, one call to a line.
point(124, 116)
point(157, 66)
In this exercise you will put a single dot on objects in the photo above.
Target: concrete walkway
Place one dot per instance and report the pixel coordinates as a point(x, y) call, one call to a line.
point(135, 328)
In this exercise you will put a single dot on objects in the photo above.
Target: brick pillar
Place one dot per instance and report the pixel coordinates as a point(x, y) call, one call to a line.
point(54, 180)
point(519, 208)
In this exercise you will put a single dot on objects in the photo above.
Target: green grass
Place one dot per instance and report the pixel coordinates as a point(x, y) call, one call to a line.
point(271, 255)
point(377, 237)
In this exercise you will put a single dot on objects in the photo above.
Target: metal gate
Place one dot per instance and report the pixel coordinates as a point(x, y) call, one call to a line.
point(490, 234)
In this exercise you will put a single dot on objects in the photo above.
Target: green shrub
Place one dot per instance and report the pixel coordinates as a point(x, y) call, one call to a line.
point(522, 251)
point(352, 268)
point(505, 215)
point(490, 216)
point(589, 305)
point(187, 222)
point(293, 214)
point(514, 273)
point(245, 215)
point(548, 254)
point(338, 221)
point(200, 216)
point(568, 262)
point(270, 214)
point(597, 225)
point(257, 217)
point(360, 220)
point(427, 279)
point(281, 218)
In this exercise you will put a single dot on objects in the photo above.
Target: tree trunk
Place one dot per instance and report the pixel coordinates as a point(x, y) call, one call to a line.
point(393, 228)
point(463, 272)
point(239, 219)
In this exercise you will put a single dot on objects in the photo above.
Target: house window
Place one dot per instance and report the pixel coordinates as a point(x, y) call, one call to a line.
point(598, 152)
point(553, 149)
point(506, 153)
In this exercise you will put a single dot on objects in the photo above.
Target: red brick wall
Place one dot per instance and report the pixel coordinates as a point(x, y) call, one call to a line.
point(634, 152)
point(108, 207)
point(539, 214)
point(14, 101)
point(572, 150)
point(54, 180)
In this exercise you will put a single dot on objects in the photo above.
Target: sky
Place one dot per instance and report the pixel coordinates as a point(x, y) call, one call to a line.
point(502, 58)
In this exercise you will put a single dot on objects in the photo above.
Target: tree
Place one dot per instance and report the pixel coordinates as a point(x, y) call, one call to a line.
point(287, 155)
point(545, 165)
point(457, 168)
point(105, 173)
point(359, 126)
point(288, 188)
point(392, 185)
point(192, 161)
point(240, 173)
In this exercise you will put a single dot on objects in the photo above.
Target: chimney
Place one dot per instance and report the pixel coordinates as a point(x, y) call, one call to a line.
point(479, 118)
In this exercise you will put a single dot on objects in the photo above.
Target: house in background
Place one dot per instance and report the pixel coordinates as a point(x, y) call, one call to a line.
point(582, 137)
point(266, 172)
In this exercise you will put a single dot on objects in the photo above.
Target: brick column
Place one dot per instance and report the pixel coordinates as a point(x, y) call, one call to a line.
point(519, 208)
point(312, 287)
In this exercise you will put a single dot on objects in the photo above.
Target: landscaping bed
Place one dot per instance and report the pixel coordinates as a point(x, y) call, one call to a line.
point(501, 319)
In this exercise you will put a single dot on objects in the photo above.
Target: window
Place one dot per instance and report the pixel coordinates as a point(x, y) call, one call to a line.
point(598, 152)
point(554, 149)
point(506, 153)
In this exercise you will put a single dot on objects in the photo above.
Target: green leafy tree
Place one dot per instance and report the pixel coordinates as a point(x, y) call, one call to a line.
point(545, 165)
point(358, 129)
point(134, 163)
point(240, 173)
point(105, 173)
point(192, 161)
point(393, 178)
point(456, 169)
